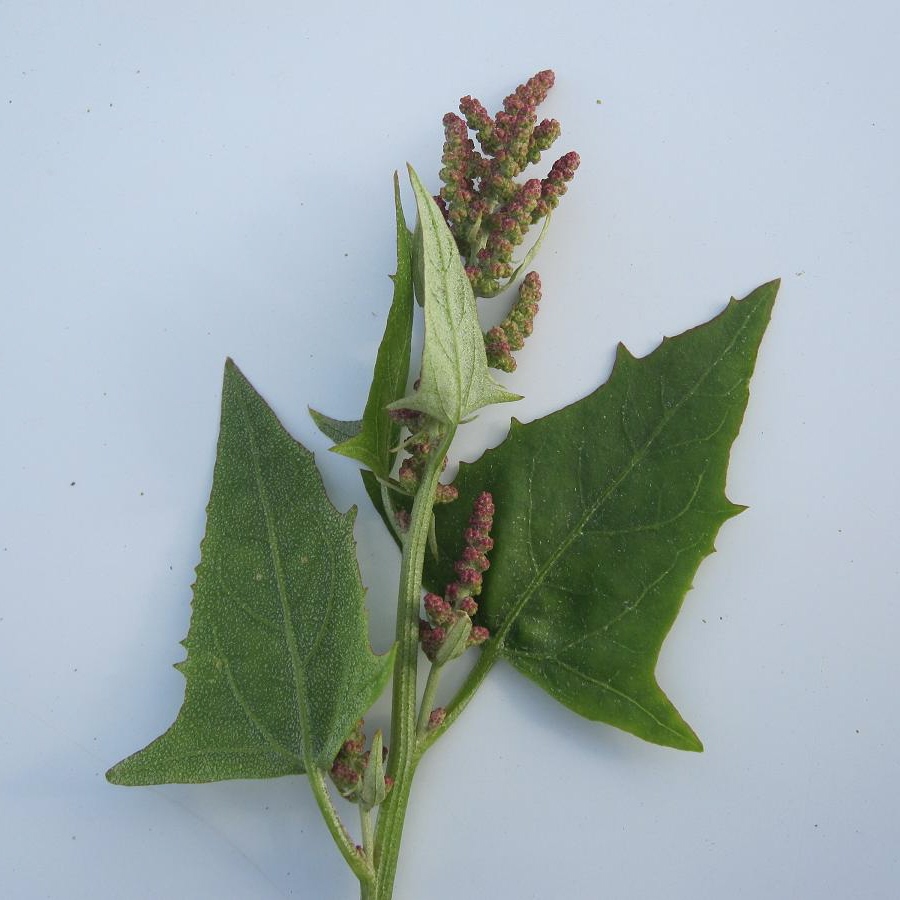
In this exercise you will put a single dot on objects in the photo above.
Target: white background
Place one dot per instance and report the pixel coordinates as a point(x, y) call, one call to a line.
point(184, 181)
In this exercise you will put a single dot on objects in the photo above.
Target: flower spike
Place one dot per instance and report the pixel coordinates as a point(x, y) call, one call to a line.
point(488, 211)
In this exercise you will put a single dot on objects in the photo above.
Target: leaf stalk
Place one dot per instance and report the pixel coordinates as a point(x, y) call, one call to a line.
point(361, 866)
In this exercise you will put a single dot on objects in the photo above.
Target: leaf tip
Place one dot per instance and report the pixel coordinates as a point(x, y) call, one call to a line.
point(231, 367)
point(694, 745)
point(122, 773)
point(763, 295)
point(234, 375)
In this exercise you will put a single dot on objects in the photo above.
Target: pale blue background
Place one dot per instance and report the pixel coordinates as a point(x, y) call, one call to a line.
point(184, 181)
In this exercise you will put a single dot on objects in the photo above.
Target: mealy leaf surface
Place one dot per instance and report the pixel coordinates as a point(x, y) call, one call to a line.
point(278, 663)
point(455, 381)
point(604, 511)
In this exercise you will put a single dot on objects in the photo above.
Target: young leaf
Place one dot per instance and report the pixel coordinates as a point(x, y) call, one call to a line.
point(373, 789)
point(375, 442)
point(604, 511)
point(278, 663)
point(336, 429)
point(455, 380)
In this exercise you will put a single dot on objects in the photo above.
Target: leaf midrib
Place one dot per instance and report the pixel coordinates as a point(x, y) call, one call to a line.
point(280, 581)
point(498, 643)
point(452, 354)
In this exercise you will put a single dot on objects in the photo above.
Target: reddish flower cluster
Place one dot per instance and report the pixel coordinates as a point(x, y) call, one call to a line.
point(413, 466)
point(510, 335)
point(458, 600)
point(350, 763)
point(487, 210)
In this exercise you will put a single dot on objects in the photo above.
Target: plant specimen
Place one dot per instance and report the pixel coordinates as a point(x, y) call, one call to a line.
point(566, 550)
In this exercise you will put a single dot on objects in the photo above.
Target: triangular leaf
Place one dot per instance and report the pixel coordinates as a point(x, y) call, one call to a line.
point(278, 662)
point(455, 380)
point(604, 511)
point(375, 443)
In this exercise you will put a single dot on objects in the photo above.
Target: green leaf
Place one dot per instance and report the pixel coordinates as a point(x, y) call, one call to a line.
point(373, 789)
point(374, 445)
point(455, 380)
point(336, 429)
point(604, 511)
point(278, 662)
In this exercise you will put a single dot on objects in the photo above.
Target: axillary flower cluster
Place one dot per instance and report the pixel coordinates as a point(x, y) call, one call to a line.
point(448, 630)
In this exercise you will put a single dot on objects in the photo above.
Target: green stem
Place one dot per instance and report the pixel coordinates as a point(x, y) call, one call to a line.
point(434, 676)
point(403, 757)
point(467, 690)
point(362, 868)
point(388, 502)
point(368, 831)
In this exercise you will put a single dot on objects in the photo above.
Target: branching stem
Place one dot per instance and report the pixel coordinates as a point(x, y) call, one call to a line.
point(434, 676)
point(403, 756)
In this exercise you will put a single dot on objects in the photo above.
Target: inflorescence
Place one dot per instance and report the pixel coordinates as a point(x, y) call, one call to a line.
point(350, 764)
point(488, 211)
point(510, 335)
point(444, 614)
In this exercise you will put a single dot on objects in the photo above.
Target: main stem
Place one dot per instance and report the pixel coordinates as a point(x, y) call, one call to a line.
point(403, 757)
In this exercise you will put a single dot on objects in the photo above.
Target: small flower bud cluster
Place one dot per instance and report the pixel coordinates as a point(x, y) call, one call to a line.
point(413, 466)
point(458, 602)
point(402, 518)
point(411, 418)
point(487, 210)
point(555, 184)
point(510, 335)
point(350, 764)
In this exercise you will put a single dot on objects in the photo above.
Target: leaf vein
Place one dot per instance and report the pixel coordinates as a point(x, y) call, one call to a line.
point(603, 495)
point(280, 581)
point(242, 702)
